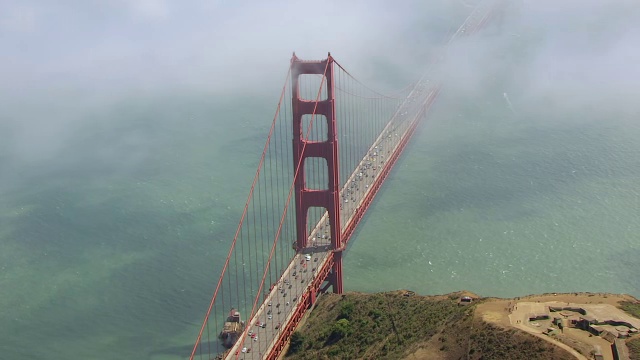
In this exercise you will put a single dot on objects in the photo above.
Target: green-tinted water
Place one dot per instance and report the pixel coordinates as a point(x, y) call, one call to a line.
point(507, 206)
point(110, 248)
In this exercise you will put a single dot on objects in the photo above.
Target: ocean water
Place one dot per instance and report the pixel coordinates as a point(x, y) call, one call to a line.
point(111, 246)
point(111, 249)
point(506, 205)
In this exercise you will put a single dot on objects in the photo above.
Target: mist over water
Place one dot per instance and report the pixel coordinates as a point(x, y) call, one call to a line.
point(130, 133)
point(524, 178)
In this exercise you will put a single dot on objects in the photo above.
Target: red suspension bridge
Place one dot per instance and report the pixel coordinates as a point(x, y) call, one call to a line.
point(331, 145)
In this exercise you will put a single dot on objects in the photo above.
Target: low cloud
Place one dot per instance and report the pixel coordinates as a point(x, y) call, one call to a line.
point(64, 62)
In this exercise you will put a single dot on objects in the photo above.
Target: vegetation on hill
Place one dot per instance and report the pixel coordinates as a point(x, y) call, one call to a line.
point(394, 326)
point(492, 342)
point(633, 308)
point(634, 348)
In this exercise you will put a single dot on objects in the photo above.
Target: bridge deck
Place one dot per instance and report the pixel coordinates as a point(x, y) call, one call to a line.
point(284, 299)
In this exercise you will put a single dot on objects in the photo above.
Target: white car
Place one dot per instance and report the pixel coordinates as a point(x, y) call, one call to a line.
point(269, 317)
point(244, 349)
point(307, 257)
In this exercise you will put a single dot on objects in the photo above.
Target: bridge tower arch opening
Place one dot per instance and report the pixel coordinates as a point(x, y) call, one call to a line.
point(306, 112)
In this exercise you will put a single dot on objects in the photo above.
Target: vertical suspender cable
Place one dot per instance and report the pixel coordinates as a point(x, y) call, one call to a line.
point(289, 196)
point(233, 243)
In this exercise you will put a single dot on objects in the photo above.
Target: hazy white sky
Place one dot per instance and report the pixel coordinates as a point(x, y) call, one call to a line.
point(60, 59)
point(151, 43)
point(223, 44)
point(64, 62)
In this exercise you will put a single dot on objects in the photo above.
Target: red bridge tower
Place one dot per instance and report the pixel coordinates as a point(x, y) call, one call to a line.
point(303, 148)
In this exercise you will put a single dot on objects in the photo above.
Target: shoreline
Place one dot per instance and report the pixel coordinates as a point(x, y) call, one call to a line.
point(581, 324)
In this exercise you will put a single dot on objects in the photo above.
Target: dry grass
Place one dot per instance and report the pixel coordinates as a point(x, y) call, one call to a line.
point(393, 326)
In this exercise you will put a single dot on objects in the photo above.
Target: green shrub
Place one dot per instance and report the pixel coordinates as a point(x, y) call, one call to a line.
point(297, 342)
point(633, 308)
point(634, 348)
point(346, 309)
point(341, 328)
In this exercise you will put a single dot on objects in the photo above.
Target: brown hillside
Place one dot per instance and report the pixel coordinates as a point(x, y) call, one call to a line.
point(396, 326)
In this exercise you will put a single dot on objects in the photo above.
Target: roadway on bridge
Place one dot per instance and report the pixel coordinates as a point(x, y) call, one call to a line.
point(278, 306)
point(279, 303)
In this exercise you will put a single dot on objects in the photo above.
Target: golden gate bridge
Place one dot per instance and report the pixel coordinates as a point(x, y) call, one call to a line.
point(332, 143)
